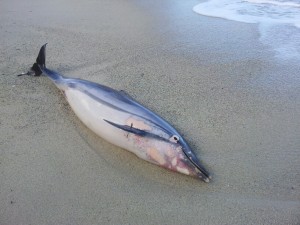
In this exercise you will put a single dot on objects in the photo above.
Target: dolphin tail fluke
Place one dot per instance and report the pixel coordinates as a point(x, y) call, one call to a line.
point(40, 63)
point(39, 67)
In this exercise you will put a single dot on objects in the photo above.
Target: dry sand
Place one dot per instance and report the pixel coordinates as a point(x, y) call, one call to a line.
point(236, 104)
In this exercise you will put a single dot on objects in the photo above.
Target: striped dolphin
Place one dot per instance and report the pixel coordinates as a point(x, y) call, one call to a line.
point(119, 119)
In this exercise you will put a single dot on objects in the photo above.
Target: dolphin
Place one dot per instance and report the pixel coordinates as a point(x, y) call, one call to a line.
point(119, 119)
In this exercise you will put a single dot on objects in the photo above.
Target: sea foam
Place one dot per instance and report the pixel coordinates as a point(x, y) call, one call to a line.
point(279, 21)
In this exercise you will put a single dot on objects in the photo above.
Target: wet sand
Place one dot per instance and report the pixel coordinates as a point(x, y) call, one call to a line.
point(236, 104)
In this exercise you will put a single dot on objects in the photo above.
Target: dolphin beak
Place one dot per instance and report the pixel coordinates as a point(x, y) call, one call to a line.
point(189, 167)
point(194, 162)
point(198, 170)
point(203, 174)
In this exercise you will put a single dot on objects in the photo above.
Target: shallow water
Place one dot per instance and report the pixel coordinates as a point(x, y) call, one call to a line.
point(279, 21)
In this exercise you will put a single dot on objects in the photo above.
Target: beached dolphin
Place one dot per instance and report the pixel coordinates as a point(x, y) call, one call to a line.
point(119, 119)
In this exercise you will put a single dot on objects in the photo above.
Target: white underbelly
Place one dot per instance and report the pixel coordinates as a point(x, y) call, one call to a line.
point(93, 114)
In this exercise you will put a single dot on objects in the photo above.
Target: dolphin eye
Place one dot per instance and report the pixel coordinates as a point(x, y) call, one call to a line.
point(174, 139)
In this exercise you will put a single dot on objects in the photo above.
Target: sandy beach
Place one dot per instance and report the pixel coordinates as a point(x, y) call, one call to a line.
point(237, 105)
